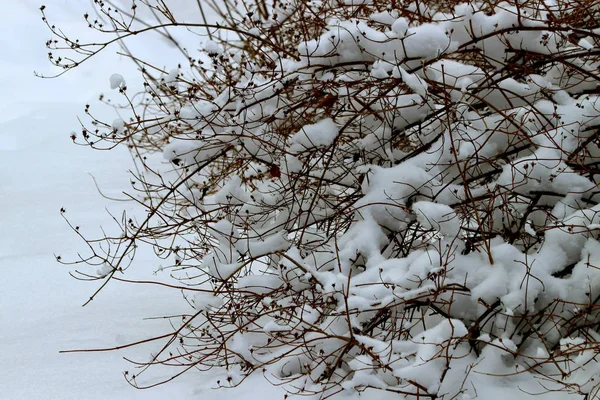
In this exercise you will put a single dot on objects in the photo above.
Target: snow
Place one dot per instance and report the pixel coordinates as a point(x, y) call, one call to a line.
point(321, 134)
point(260, 284)
point(41, 311)
point(212, 48)
point(273, 326)
point(399, 27)
point(438, 217)
point(118, 125)
point(205, 300)
point(117, 81)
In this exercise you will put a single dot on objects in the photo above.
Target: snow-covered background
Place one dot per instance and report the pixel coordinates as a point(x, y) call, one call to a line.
point(42, 171)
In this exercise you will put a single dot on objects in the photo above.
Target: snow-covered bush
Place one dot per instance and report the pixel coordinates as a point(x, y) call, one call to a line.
point(371, 194)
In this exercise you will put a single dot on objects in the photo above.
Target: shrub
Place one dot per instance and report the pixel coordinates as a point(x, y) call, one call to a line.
point(371, 194)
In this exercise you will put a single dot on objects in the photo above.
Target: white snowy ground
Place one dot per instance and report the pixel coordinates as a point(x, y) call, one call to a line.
point(42, 171)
